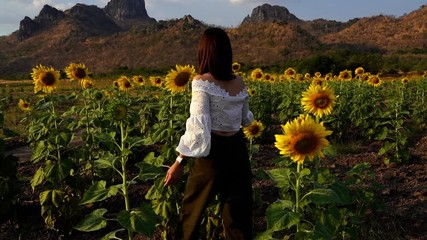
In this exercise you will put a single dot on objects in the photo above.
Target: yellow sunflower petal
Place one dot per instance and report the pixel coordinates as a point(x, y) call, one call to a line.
point(303, 138)
point(176, 80)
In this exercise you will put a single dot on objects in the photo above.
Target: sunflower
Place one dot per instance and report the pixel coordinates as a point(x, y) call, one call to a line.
point(156, 81)
point(405, 80)
point(328, 77)
point(318, 100)
point(123, 84)
point(24, 105)
point(307, 75)
point(138, 80)
point(359, 71)
point(251, 91)
point(282, 78)
point(254, 130)
point(267, 77)
point(235, 66)
point(365, 77)
point(86, 83)
point(302, 138)
point(318, 81)
point(290, 73)
point(119, 112)
point(374, 80)
point(76, 71)
point(318, 74)
point(345, 75)
point(45, 79)
point(425, 74)
point(176, 80)
point(108, 93)
point(257, 74)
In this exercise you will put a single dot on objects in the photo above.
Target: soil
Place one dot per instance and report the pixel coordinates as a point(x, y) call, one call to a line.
point(402, 193)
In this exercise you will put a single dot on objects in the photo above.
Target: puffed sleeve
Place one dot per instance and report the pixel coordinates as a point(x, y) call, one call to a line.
point(196, 141)
point(247, 115)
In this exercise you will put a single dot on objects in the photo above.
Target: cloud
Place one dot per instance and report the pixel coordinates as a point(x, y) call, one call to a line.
point(239, 2)
point(40, 3)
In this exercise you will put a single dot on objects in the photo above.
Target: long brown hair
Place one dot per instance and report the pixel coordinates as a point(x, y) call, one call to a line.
point(215, 54)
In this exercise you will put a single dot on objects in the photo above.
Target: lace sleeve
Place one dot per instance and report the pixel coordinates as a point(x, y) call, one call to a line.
point(247, 115)
point(196, 141)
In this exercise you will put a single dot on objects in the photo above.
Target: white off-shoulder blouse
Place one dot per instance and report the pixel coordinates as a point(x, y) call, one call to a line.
point(212, 108)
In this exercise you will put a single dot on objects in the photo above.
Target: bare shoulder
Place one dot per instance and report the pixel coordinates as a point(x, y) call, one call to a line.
point(239, 81)
point(197, 77)
point(202, 77)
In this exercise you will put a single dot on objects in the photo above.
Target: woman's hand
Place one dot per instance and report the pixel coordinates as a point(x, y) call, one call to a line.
point(174, 174)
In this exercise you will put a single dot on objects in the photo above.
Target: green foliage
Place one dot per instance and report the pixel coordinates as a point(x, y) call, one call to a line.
point(323, 209)
point(91, 147)
point(9, 183)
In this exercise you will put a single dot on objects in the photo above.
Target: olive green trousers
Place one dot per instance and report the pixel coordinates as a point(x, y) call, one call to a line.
point(225, 171)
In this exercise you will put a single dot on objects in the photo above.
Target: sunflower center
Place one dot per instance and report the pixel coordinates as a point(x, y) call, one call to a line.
point(47, 78)
point(25, 105)
point(126, 84)
point(321, 101)
point(158, 80)
point(375, 80)
point(304, 143)
point(140, 79)
point(80, 73)
point(182, 78)
point(254, 130)
point(258, 75)
point(120, 112)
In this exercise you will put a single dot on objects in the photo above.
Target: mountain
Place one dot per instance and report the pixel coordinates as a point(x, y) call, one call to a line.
point(122, 35)
point(268, 13)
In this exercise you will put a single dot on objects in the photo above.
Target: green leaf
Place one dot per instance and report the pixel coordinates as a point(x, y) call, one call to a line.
point(330, 151)
point(322, 196)
point(281, 176)
point(149, 171)
point(104, 163)
point(124, 219)
point(112, 235)
point(93, 222)
point(150, 158)
point(304, 172)
point(55, 172)
point(386, 147)
point(97, 192)
point(280, 216)
point(64, 138)
point(57, 197)
point(106, 137)
point(45, 197)
point(135, 141)
point(41, 151)
point(144, 220)
point(38, 178)
point(343, 193)
point(383, 134)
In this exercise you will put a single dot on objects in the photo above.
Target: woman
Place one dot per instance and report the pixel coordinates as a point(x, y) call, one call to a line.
point(213, 136)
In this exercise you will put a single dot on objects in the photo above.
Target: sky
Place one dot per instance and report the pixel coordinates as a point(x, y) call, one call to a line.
point(225, 13)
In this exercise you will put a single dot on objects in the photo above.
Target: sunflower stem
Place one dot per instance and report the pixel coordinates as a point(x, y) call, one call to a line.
point(250, 149)
point(124, 176)
point(88, 146)
point(297, 193)
point(58, 147)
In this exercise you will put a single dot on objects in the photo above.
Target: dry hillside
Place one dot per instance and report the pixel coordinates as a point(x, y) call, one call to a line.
point(167, 43)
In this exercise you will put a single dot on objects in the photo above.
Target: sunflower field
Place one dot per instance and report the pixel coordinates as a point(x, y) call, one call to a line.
point(100, 148)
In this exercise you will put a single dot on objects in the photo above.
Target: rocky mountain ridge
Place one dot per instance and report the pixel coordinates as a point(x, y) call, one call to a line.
point(123, 35)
